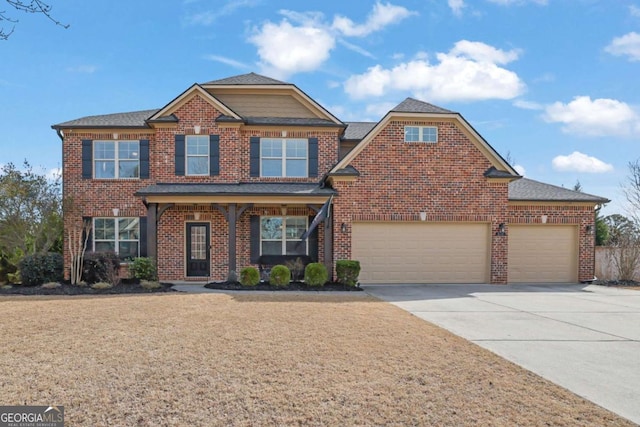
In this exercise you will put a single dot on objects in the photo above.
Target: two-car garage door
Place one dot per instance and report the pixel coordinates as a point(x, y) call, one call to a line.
point(424, 252)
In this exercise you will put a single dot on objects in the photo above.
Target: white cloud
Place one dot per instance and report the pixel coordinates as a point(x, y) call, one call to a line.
point(227, 61)
point(627, 45)
point(456, 6)
point(527, 105)
point(285, 49)
point(518, 2)
point(634, 11)
point(381, 16)
point(520, 169)
point(469, 72)
point(210, 16)
point(579, 162)
point(598, 117)
point(356, 49)
point(380, 109)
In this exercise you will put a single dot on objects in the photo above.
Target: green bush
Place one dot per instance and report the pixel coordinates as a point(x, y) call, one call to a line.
point(249, 276)
point(41, 268)
point(143, 268)
point(280, 276)
point(100, 266)
point(315, 274)
point(348, 271)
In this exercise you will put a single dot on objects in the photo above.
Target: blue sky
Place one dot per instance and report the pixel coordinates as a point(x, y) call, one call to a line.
point(553, 84)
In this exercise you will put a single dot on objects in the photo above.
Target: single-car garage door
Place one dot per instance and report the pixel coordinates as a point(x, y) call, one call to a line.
point(543, 253)
point(421, 252)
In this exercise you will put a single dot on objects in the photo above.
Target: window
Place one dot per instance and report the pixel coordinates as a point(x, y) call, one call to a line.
point(281, 235)
point(421, 134)
point(283, 157)
point(197, 155)
point(120, 235)
point(116, 159)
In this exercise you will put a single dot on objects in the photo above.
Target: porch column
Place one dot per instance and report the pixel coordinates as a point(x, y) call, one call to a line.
point(152, 231)
point(328, 246)
point(232, 214)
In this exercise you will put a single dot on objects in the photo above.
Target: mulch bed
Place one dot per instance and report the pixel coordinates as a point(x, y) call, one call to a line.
point(618, 283)
point(293, 286)
point(68, 289)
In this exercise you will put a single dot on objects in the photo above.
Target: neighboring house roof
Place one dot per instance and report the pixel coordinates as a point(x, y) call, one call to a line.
point(134, 119)
point(412, 105)
point(247, 79)
point(529, 190)
point(357, 130)
point(241, 189)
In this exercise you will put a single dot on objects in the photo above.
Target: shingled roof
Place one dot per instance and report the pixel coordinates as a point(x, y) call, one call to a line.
point(240, 189)
point(247, 79)
point(412, 105)
point(134, 119)
point(357, 130)
point(525, 189)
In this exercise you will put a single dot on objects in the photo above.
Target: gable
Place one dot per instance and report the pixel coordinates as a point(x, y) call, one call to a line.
point(188, 95)
point(266, 105)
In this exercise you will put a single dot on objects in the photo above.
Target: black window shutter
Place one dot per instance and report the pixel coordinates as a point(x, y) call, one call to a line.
point(179, 156)
point(87, 220)
point(143, 236)
point(214, 155)
point(87, 159)
point(254, 237)
point(144, 159)
point(313, 240)
point(254, 156)
point(313, 157)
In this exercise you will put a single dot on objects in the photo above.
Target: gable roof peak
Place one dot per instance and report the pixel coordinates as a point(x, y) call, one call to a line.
point(247, 79)
point(412, 105)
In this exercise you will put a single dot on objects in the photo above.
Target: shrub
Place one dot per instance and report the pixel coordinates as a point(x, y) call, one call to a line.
point(315, 274)
point(296, 267)
point(348, 271)
point(41, 268)
point(100, 286)
point(150, 284)
point(280, 276)
point(143, 268)
point(100, 267)
point(249, 276)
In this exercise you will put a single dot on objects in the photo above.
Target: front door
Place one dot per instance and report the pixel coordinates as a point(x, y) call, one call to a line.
point(198, 254)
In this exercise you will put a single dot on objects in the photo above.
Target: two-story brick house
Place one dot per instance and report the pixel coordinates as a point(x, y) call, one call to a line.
point(237, 168)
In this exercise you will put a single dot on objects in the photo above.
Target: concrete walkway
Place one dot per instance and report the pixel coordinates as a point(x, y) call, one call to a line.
point(584, 338)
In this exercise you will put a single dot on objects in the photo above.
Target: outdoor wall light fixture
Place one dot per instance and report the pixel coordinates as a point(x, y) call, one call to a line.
point(423, 216)
point(501, 230)
point(589, 229)
point(116, 211)
point(197, 129)
point(343, 227)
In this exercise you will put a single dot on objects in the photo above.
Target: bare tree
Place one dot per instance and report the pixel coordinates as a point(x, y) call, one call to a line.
point(26, 6)
point(631, 189)
point(77, 238)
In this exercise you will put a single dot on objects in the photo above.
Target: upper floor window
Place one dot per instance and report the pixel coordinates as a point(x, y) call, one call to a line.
point(119, 235)
point(116, 159)
point(283, 157)
point(197, 154)
point(281, 235)
point(421, 134)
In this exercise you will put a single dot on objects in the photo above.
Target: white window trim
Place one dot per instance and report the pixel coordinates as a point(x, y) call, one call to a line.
point(116, 158)
point(284, 240)
point(187, 155)
point(284, 158)
point(117, 239)
point(421, 134)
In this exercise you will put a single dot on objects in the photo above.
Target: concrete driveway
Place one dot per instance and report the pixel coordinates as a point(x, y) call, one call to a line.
point(584, 338)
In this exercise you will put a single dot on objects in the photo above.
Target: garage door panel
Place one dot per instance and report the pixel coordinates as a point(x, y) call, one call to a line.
point(422, 252)
point(543, 253)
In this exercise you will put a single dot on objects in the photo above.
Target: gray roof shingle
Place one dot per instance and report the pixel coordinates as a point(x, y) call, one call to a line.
point(525, 189)
point(358, 130)
point(240, 189)
point(247, 79)
point(411, 105)
point(132, 119)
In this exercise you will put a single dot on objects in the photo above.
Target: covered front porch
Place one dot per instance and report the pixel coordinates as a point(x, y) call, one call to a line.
point(203, 232)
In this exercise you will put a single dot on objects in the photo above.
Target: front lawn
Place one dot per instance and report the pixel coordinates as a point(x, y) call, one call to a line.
point(263, 359)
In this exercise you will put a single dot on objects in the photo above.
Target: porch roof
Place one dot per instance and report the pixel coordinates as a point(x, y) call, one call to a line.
point(275, 192)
